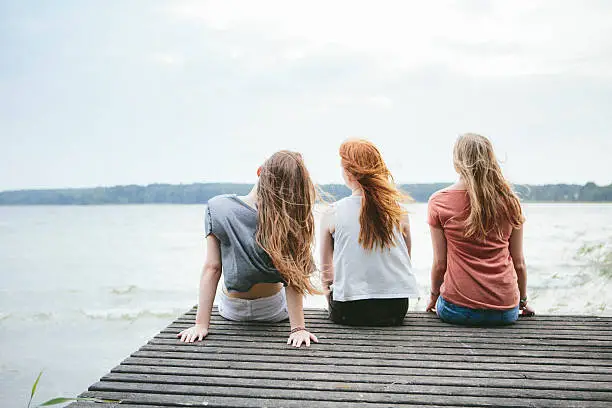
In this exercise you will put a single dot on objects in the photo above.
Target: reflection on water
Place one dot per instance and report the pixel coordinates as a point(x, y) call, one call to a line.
point(82, 287)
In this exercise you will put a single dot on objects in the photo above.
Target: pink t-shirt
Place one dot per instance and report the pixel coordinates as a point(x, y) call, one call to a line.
point(479, 273)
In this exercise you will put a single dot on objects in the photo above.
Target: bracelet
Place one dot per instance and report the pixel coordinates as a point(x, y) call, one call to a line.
point(523, 301)
point(297, 329)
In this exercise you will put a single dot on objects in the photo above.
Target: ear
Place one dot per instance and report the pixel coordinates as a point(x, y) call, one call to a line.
point(259, 171)
point(350, 177)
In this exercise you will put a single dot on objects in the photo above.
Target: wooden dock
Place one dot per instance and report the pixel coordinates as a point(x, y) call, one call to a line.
point(545, 361)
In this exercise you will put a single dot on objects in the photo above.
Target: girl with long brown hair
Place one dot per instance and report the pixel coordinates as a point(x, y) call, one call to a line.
point(478, 275)
point(263, 244)
point(365, 244)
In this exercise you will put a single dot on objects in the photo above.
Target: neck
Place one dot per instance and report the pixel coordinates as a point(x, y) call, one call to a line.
point(461, 183)
point(252, 196)
point(357, 191)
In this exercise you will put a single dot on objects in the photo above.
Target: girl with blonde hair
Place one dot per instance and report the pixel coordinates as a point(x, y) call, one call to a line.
point(262, 242)
point(478, 275)
point(365, 244)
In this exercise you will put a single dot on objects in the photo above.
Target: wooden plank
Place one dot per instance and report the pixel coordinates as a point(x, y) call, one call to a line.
point(443, 328)
point(211, 402)
point(408, 346)
point(312, 354)
point(420, 318)
point(329, 369)
point(321, 313)
point(389, 339)
point(416, 330)
point(170, 400)
point(392, 353)
point(282, 332)
point(427, 323)
point(398, 386)
point(420, 325)
point(460, 362)
point(517, 399)
point(423, 316)
point(89, 404)
point(354, 381)
point(431, 323)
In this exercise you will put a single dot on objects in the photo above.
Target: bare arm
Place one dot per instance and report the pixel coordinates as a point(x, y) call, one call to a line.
point(518, 259)
point(438, 268)
point(327, 252)
point(406, 233)
point(295, 299)
point(295, 307)
point(211, 273)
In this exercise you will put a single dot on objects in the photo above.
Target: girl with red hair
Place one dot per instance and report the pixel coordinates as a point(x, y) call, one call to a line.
point(365, 245)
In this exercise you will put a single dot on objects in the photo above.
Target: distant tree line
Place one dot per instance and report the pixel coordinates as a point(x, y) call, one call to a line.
point(199, 193)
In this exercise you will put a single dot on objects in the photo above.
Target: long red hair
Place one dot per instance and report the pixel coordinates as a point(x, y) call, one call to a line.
point(381, 210)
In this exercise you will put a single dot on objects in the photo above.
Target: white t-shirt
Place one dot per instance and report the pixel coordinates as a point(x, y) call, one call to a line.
point(364, 274)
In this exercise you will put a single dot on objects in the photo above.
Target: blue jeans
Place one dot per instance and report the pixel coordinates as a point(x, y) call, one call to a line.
point(451, 313)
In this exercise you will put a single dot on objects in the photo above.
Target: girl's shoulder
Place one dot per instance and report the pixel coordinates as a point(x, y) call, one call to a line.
point(446, 193)
point(221, 199)
point(328, 210)
point(436, 196)
point(225, 204)
point(448, 199)
point(350, 200)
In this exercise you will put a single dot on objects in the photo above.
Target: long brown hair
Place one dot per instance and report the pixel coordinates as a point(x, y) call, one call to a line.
point(493, 204)
point(285, 225)
point(381, 212)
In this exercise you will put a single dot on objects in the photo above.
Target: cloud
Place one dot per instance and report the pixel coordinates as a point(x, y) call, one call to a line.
point(329, 102)
point(174, 82)
point(168, 59)
point(498, 38)
point(379, 100)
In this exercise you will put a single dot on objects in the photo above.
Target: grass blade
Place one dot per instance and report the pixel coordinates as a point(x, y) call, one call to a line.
point(61, 400)
point(34, 388)
point(56, 401)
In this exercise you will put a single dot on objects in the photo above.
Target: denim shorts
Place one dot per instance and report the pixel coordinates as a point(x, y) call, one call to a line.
point(451, 313)
point(267, 309)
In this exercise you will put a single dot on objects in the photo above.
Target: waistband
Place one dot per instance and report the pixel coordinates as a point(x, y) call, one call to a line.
point(279, 295)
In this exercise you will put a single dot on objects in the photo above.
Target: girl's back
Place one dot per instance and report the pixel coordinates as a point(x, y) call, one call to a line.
point(245, 263)
point(360, 273)
point(480, 273)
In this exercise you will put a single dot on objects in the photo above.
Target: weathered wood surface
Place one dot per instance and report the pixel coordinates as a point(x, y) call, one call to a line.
point(545, 361)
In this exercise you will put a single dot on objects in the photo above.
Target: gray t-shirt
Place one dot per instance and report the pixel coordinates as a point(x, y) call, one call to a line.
point(244, 261)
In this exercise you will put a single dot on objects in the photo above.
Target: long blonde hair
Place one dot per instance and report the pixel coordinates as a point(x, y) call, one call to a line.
point(493, 204)
point(285, 225)
point(381, 212)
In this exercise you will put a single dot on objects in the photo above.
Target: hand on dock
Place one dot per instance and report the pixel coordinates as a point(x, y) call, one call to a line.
point(194, 333)
point(527, 311)
point(431, 306)
point(303, 336)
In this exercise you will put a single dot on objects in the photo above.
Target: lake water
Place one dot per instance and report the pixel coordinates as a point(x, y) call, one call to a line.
point(83, 287)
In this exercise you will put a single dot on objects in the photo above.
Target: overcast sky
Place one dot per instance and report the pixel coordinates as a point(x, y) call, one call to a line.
point(123, 92)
